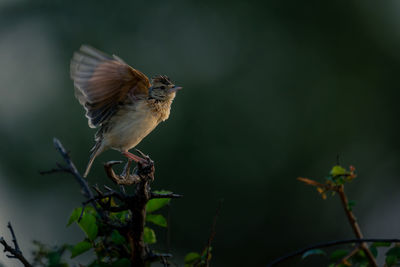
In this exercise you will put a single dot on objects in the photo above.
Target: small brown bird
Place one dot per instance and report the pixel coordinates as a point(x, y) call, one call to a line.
point(118, 99)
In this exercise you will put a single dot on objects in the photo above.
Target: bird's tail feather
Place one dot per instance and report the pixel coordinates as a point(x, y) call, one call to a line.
point(96, 150)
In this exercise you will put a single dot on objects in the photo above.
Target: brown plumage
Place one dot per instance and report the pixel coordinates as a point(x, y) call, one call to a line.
point(118, 99)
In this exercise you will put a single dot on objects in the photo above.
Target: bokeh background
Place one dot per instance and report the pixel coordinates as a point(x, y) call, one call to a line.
point(273, 90)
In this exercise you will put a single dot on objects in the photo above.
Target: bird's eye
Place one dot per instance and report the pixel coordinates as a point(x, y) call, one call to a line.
point(162, 87)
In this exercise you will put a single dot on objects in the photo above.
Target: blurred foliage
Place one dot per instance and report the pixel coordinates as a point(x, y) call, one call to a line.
point(355, 254)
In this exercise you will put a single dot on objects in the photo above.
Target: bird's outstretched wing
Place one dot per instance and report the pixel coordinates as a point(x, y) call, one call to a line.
point(103, 82)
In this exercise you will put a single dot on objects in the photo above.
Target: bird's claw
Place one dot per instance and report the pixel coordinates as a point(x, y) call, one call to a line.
point(113, 162)
point(145, 161)
point(145, 168)
point(142, 154)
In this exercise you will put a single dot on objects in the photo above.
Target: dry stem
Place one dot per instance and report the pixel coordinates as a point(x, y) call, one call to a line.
point(354, 224)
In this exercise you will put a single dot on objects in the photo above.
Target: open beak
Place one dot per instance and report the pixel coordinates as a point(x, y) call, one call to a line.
point(176, 88)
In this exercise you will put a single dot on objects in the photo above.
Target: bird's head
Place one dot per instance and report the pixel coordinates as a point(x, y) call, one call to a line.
point(162, 88)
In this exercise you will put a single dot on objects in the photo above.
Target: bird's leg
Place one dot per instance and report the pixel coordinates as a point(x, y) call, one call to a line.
point(142, 154)
point(148, 166)
point(144, 165)
point(133, 157)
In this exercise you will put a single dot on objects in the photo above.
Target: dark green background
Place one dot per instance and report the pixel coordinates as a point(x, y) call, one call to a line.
point(273, 90)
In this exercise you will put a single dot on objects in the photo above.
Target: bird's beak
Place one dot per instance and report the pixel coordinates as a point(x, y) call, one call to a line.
point(176, 88)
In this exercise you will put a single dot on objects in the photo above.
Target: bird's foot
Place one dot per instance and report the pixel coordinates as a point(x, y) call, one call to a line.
point(145, 166)
point(143, 170)
point(133, 157)
point(144, 160)
point(125, 178)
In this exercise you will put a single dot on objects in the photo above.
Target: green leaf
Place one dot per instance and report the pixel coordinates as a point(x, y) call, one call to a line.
point(392, 256)
point(80, 248)
point(54, 258)
point(122, 216)
point(122, 263)
point(339, 181)
point(381, 244)
point(149, 237)
point(89, 226)
point(351, 204)
point(361, 253)
point(395, 251)
point(156, 203)
point(338, 254)
point(117, 238)
point(204, 253)
point(374, 251)
point(360, 258)
point(157, 219)
point(192, 257)
point(338, 170)
point(391, 260)
point(76, 213)
point(313, 252)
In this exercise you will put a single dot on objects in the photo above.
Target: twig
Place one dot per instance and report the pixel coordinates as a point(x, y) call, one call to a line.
point(348, 256)
point(153, 256)
point(354, 224)
point(315, 183)
point(14, 238)
point(70, 168)
point(213, 231)
point(168, 195)
point(350, 216)
point(136, 204)
point(15, 252)
point(329, 244)
point(133, 229)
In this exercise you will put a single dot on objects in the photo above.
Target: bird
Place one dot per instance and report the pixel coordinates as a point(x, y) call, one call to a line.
point(119, 100)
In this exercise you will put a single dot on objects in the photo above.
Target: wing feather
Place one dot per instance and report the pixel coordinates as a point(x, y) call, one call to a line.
point(103, 82)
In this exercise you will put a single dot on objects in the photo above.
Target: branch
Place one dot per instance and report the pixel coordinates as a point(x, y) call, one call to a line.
point(345, 259)
point(140, 178)
point(345, 203)
point(329, 244)
point(70, 168)
point(213, 231)
point(15, 252)
point(354, 224)
point(169, 195)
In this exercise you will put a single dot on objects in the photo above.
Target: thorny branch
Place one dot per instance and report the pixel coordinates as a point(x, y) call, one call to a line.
point(70, 168)
point(135, 203)
point(15, 252)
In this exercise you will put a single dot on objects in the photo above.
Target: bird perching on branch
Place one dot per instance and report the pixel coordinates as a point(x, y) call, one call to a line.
point(119, 100)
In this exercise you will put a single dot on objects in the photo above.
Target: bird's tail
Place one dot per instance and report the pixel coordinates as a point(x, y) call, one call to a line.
point(96, 150)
